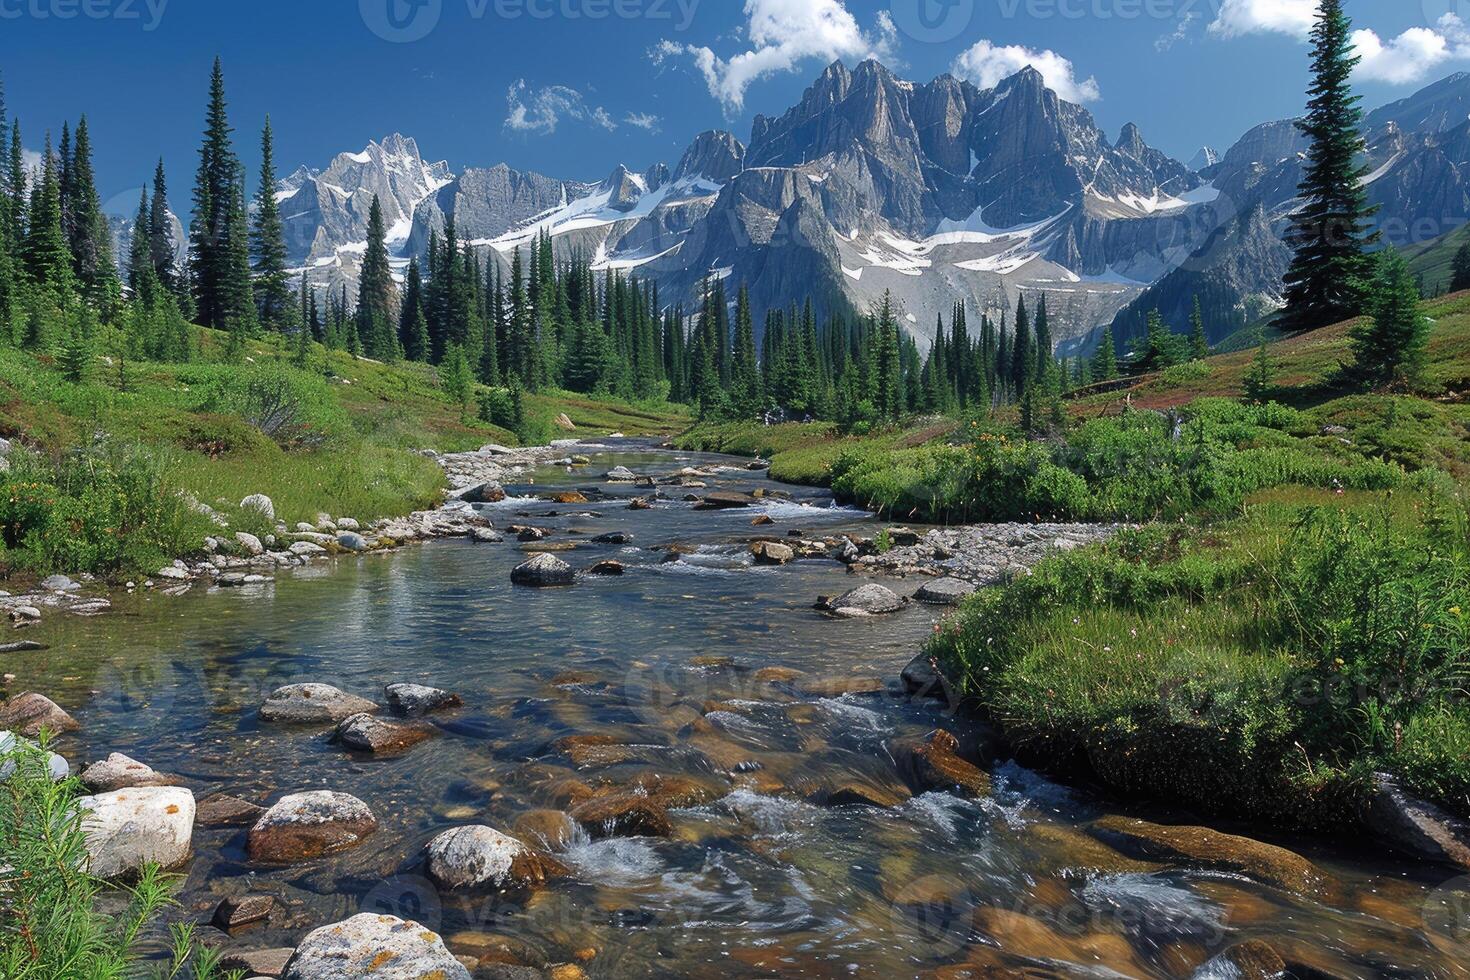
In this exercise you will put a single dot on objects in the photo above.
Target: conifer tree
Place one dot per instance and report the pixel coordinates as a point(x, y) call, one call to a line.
point(1199, 346)
point(1044, 363)
point(1460, 274)
point(1327, 280)
point(235, 293)
point(90, 237)
point(745, 379)
point(142, 282)
point(273, 302)
point(888, 396)
point(1105, 361)
point(47, 256)
point(1390, 345)
point(161, 244)
point(1023, 359)
point(212, 266)
point(376, 294)
point(1262, 371)
point(413, 325)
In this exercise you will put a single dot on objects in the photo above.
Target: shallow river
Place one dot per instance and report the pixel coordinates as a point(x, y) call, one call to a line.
point(756, 880)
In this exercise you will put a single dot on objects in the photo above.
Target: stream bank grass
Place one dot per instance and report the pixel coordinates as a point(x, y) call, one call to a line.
point(335, 434)
point(1263, 666)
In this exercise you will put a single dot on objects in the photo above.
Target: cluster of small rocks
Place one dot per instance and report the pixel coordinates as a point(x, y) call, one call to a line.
point(980, 554)
point(493, 464)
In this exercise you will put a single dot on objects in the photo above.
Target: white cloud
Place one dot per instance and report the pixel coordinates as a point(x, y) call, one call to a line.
point(31, 161)
point(1292, 17)
point(540, 111)
point(985, 65)
point(1406, 58)
point(1167, 41)
point(782, 34)
point(643, 120)
point(1401, 60)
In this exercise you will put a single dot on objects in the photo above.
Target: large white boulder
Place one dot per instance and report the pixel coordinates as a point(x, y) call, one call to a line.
point(129, 828)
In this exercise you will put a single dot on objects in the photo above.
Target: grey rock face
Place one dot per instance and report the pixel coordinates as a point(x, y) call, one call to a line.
point(714, 155)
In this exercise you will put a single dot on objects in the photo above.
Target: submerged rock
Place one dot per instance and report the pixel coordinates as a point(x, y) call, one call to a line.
point(416, 700)
point(725, 500)
point(484, 493)
point(128, 829)
point(1212, 850)
point(934, 763)
point(542, 571)
point(620, 474)
point(482, 857)
point(312, 704)
point(29, 713)
point(239, 911)
point(1250, 960)
point(368, 733)
point(304, 826)
point(622, 814)
point(223, 810)
point(382, 947)
point(608, 567)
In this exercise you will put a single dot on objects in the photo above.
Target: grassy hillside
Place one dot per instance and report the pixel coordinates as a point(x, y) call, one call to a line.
point(1432, 260)
point(336, 435)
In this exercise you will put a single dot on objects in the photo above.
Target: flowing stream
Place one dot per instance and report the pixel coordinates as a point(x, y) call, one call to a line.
point(755, 879)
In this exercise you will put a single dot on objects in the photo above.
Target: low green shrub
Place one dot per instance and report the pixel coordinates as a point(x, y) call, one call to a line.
point(109, 508)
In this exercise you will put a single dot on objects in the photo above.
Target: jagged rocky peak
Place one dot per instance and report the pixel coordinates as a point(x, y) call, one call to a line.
point(624, 188)
point(1204, 158)
point(714, 155)
point(1437, 108)
point(1130, 141)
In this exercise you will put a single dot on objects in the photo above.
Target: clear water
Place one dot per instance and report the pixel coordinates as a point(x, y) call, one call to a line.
point(758, 881)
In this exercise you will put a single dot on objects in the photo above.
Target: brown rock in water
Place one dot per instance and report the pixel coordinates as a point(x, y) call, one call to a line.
point(1211, 850)
point(1249, 960)
point(1021, 935)
point(835, 687)
point(771, 553)
point(640, 503)
point(27, 714)
point(725, 500)
point(257, 962)
point(237, 912)
point(567, 497)
point(608, 567)
point(854, 792)
point(934, 763)
point(1416, 827)
point(367, 733)
point(679, 792)
point(765, 520)
point(222, 810)
point(304, 826)
point(553, 829)
point(777, 675)
point(622, 814)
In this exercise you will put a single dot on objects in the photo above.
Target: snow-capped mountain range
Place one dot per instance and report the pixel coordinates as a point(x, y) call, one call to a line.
point(933, 192)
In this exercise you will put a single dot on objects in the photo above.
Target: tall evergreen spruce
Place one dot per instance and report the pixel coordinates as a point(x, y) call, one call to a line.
point(142, 282)
point(376, 293)
point(413, 326)
point(161, 243)
point(274, 303)
point(47, 256)
point(90, 237)
point(1105, 361)
point(235, 289)
point(1328, 278)
point(212, 233)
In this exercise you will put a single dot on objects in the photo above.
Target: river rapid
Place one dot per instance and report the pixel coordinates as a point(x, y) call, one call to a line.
point(761, 875)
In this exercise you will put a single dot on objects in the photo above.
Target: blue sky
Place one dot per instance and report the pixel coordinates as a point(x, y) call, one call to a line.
point(573, 87)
